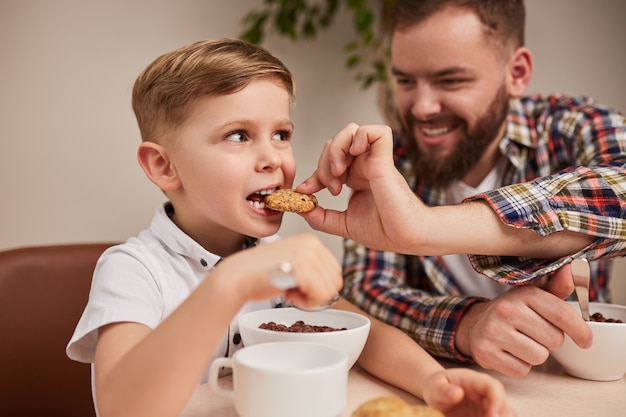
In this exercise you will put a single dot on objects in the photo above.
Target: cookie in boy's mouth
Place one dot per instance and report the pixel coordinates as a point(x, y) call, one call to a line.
point(290, 200)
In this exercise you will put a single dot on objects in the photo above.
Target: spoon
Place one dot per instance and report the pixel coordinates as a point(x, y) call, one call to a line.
point(319, 307)
point(282, 278)
point(580, 276)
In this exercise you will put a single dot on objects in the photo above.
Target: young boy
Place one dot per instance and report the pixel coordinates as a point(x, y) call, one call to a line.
point(216, 136)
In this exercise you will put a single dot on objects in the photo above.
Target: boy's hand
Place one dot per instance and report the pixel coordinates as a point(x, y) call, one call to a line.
point(314, 269)
point(460, 392)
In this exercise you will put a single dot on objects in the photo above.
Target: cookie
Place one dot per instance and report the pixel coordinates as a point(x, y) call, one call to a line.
point(289, 200)
point(393, 407)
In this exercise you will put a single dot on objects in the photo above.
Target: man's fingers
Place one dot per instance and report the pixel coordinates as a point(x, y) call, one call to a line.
point(367, 139)
point(313, 184)
point(561, 315)
point(338, 156)
point(561, 283)
point(327, 221)
point(567, 319)
point(337, 150)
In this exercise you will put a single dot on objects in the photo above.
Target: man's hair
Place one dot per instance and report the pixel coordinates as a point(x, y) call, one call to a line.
point(166, 88)
point(503, 19)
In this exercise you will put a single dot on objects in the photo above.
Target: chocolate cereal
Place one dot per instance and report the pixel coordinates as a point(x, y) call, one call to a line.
point(598, 317)
point(299, 327)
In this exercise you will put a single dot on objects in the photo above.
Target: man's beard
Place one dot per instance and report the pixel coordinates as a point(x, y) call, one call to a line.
point(442, 171)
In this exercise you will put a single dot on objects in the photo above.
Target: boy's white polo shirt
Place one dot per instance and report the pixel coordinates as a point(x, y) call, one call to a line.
point(144, 280)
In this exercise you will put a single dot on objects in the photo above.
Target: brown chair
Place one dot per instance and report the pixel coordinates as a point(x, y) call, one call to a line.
point(43, 291)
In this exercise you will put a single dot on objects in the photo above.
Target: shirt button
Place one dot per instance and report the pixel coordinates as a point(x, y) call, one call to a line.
point(237, 338)
point(203, 262)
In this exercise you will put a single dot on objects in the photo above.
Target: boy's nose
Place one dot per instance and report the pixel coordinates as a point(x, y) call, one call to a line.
point(269, 159)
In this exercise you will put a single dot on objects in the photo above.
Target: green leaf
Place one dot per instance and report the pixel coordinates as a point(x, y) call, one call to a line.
point(352, 61)
point(285, 21)
point(326, 18)
point(303, 19)
point(308, 29)
point(368, 38)
point(355, 4)
point(254, 33)
point(363, 20)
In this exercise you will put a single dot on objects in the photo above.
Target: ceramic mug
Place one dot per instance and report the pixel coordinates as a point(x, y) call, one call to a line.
point(285, 379)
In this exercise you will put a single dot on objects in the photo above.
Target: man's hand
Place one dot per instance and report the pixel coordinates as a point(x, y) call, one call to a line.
point(335, 166)
point(382, 203)
point(518, 329)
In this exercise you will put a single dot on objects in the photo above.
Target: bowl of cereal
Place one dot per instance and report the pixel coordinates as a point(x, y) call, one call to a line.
point(343, 330)
point(605, 360)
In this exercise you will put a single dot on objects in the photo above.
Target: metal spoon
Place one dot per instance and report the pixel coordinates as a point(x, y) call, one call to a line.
point(318, 307)
point(580, 276)
point(282, 278)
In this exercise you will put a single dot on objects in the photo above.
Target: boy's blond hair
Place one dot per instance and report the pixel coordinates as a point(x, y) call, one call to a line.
point(166, 88)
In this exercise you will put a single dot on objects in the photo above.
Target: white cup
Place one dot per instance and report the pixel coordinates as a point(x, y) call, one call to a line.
point(285, 379)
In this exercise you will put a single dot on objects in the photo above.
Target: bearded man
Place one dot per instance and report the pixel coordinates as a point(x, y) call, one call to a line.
point(524, 183)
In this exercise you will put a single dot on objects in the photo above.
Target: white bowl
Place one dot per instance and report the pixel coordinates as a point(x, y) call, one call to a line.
point(351, 340)
point(605, 360)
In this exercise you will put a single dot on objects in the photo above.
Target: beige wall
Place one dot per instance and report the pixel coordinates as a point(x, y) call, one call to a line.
point(67, 133)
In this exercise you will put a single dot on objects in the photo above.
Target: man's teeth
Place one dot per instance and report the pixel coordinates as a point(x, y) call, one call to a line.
point(436, 131)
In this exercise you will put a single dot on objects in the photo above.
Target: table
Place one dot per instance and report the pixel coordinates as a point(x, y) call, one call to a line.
point(545, 391)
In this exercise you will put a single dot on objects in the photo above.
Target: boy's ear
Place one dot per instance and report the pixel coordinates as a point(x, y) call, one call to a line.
point(156, 164)
point(519, 71)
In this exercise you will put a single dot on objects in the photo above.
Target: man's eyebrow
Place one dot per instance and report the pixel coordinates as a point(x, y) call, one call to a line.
point(456, 70)
point(396, 72)
point(446, 72)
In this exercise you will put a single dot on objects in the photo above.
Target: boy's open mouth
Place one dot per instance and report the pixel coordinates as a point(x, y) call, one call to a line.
point(256, 199)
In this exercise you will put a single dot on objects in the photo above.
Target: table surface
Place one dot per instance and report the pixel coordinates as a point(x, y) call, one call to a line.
point(546, 391)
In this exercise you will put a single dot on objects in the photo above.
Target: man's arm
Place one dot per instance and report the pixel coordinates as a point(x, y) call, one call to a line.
point(383, 212)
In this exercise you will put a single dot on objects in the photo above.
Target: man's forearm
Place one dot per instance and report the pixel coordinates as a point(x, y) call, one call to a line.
point(474, 228)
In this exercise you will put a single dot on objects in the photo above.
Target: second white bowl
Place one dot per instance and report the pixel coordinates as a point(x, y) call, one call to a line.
point(605, 360)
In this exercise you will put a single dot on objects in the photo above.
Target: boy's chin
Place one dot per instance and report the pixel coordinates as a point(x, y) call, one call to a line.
point(270, 229)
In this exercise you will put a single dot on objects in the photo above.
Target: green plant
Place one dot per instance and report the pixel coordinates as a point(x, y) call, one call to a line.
point(304, 19)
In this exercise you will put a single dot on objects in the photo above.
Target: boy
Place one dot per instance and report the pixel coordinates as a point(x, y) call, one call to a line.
point(216, 129)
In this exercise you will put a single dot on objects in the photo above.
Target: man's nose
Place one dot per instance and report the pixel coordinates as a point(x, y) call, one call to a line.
point(426, 102)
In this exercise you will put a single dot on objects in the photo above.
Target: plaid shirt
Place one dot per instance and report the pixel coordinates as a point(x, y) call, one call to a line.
point(566, 172)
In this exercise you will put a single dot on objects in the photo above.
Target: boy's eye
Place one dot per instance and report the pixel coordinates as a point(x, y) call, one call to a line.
point(282, 135)
point(236, 137)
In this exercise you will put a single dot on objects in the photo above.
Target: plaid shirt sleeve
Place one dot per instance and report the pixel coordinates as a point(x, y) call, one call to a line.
point(395, 289)
point(589, 197)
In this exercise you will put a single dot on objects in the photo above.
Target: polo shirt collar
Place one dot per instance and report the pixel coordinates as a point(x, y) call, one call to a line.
point(173, 238)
